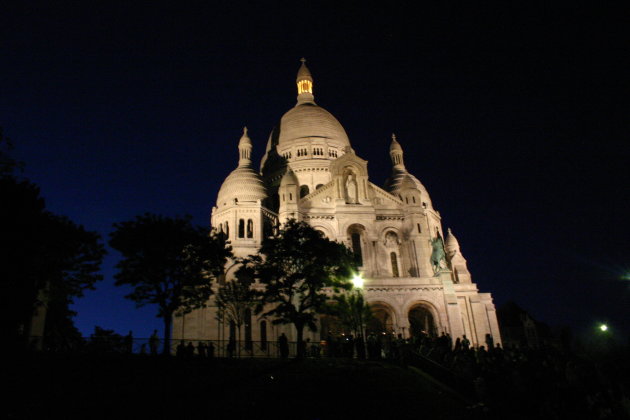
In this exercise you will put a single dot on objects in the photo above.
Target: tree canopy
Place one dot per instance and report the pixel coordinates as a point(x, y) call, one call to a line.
point(168, 262)
point(297, 267)
point(352, 311)
point(46, 260)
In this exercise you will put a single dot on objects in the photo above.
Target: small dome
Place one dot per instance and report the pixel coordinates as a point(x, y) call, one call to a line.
point(401, 178)
point(309, 120)
point(289, 178)
point(243, 184)
point(452, 245)
point(394, 146)
point(408, 182)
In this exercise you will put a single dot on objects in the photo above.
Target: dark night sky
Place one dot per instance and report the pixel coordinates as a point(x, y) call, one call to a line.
point(515, 119)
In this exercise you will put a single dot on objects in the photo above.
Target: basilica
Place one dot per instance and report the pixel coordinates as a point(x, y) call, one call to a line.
point(415, 275)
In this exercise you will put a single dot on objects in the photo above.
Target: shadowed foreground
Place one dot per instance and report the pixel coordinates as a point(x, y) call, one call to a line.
point(145, 387)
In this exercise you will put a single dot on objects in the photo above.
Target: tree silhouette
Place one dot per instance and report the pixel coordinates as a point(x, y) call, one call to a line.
point(297, 267)
point(235, 301)
point(169, 262)
point(352, 311)
point(46, 260)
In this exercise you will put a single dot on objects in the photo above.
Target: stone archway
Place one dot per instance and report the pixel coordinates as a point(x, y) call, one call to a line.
point(422, 321)
point(383, 321)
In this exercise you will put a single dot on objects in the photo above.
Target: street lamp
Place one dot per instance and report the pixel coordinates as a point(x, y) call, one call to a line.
point(603, 327)
point(357, 281)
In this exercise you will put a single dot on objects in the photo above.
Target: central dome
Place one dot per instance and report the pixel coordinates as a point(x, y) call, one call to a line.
point(306, 133)
point(308, 120)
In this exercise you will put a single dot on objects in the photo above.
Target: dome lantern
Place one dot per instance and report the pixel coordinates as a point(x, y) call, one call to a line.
point(244, 150)
point(396, 153)
point(304, 82)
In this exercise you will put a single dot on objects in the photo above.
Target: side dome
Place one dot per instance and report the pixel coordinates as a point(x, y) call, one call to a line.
point(308, 120)
point(400, 178)
point(243, 184)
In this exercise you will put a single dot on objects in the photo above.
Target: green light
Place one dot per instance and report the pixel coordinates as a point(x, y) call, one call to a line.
point(603, 327)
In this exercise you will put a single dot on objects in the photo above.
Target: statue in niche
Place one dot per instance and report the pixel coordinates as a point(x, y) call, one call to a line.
point(352, 189)
point(438, 256)
point(391, 240)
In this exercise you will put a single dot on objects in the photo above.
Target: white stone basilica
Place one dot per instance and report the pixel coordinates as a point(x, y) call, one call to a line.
point(414, 280)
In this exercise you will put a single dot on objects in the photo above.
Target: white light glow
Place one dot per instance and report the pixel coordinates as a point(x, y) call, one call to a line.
point(603, 327)
point(358, 281)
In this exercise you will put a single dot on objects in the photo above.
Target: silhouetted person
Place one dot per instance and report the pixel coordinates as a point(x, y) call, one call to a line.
point(458, 344)
point(211, 350)
point(349, 346)
point(371, 346)
point(331, 346)
point(231, 347)
point(378, 348)
point(283, 346)
point(489, 342)
point(201, 350)
point(360, 344)
point(465, 343)
point(190, 350)
point(154, 341)
point(128, 342)
point(315, 350)
point(180, 352)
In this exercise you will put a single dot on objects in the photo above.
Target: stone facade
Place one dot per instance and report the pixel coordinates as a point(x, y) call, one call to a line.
point(414, 279)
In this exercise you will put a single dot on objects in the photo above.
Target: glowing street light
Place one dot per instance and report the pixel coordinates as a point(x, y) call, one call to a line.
point(603, 327)
point(357, 281)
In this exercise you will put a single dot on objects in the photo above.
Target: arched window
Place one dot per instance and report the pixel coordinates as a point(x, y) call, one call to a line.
point(419, 228)
point(319, 186)
point(290, 196)
point(356, 248)
point(227, 230)
point(303, 191)
point(414, 199)
point(250, 228)
point(394, 264)
point(241, 228)
point(263, 335)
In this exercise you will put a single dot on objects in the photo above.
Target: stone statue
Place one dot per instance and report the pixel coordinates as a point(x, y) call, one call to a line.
point(351, 189)
point(438, 256)
point(391, 240)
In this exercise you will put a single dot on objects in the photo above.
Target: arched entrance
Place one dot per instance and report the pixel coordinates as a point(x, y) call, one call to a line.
point(383, 320)
point(421, 321)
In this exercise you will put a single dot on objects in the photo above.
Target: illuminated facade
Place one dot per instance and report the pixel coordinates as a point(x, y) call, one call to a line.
point(414, 279)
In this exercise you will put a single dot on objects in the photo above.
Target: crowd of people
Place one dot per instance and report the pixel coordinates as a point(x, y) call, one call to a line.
point(542, 382)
